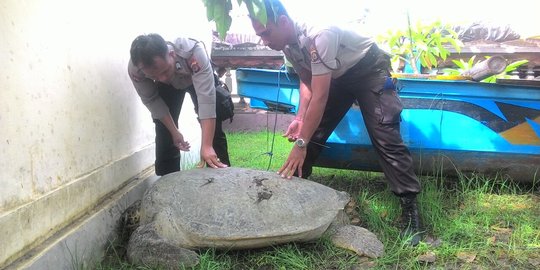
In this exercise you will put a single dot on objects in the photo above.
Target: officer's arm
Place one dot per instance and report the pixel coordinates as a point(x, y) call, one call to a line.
point(305, 98)
point(148, 92)
point(323, 62)
point(208, 127)
point(320, 85)
point(203, 81)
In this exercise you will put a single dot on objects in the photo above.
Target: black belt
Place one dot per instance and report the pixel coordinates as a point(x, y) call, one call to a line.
point(366, 64)
point(370, 58)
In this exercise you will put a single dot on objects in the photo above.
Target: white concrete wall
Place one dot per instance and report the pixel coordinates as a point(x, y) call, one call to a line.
point(72, 128)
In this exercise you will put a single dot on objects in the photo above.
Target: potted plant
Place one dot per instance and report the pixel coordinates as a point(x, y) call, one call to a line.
point(420, 46)
point(463, 66)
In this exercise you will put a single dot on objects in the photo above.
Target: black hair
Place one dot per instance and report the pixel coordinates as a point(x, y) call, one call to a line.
point(145, 47)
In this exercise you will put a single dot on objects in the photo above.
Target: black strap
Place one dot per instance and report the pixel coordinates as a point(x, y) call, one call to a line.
point(338, 65)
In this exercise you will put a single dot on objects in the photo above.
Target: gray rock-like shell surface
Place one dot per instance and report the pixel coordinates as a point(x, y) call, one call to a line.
point(238, 208)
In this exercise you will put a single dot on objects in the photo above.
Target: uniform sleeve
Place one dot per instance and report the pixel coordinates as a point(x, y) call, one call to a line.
point(303, 74)
point(147, 91)
point(323, 51)
point(203, 82)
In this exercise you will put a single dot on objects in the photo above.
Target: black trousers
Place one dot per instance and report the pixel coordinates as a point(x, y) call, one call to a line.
point(368, 84)
point(167, 155)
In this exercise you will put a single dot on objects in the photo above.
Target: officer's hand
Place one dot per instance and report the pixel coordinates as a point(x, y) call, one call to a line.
point(210, 158)
point(293, 131)
point(294, 163)
point(178, 141)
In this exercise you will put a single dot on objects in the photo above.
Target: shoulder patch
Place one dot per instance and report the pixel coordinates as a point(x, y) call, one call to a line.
point(314, 54)
point(194, 65)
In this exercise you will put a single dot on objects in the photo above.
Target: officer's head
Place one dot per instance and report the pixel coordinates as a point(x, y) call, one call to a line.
point(279, 30)
point(151, 54)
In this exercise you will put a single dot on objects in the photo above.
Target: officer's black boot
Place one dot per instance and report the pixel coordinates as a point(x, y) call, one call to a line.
point(412, 225)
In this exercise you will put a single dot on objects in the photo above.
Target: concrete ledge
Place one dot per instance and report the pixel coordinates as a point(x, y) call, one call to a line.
point(82, 244)
point(258, 120)
point(25, 228)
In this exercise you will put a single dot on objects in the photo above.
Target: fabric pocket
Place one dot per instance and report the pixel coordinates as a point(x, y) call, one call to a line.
point(389, 103)
point(224, 103)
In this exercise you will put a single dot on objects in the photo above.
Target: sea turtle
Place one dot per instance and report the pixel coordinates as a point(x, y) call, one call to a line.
point(234, 208)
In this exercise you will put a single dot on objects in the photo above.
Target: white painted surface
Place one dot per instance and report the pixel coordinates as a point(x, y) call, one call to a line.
point(72, 128)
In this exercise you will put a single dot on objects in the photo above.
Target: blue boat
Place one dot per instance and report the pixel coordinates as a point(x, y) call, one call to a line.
point(450, 126)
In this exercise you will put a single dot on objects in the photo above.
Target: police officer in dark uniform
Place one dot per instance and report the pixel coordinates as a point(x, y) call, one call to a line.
point(337, 67)
point(162, 73)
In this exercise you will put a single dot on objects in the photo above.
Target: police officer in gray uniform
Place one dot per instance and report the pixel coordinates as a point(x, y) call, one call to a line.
point(162, 73)
point(337, 67)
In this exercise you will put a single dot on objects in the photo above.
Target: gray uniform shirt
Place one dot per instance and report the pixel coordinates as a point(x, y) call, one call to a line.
point(192, 68)
point(325, 50)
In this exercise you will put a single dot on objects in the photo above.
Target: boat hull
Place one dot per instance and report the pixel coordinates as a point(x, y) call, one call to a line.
point(450, 127)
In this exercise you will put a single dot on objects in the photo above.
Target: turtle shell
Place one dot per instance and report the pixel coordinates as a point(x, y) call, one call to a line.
point(236, 208)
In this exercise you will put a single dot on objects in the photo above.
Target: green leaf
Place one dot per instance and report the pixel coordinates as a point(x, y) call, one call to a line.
point(458, 63)
point(451, 71)
point(432, 61)
point(471, 61)
point(223, 25)
point(249, 6)
point(221, 16)
point(257, 9)
point(219, 12)
point(513, 66)
point(209, 4)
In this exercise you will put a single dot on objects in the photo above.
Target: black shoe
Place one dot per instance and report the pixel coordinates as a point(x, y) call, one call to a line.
point(412, 225)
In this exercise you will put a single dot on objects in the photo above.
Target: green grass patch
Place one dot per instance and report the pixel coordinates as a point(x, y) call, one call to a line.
point(472, 222)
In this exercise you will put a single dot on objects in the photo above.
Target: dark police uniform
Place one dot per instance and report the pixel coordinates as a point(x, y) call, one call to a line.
point(194, 75)
point(360, 72)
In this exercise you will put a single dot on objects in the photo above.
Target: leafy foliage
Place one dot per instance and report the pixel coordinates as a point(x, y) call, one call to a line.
point(511, 67)
point(423, 43)
point(463, 66)
point(218, 11)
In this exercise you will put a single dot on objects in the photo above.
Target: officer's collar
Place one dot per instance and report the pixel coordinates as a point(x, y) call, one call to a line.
point(301, 36)
point(177, 65)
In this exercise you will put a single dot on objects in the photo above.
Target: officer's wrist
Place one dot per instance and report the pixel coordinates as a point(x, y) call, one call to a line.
point(301, 143)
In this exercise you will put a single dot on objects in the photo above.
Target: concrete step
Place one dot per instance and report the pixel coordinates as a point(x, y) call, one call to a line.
point(248, 120)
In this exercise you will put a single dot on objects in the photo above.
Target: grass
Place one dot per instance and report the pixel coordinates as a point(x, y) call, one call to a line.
point(472, 222)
